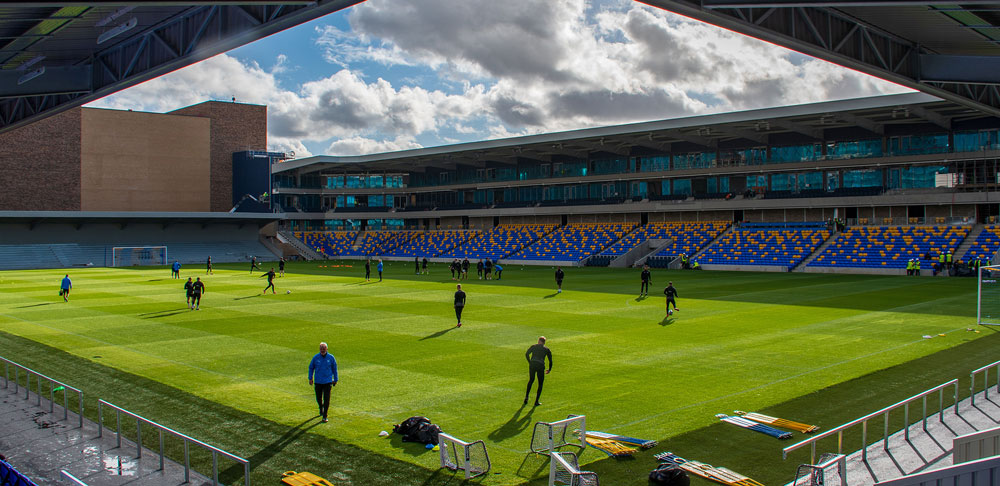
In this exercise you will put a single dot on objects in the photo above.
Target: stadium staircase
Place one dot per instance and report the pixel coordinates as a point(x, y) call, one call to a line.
point(676, 264)
point(303, 249)
point(967, 243)
point(801, 267)
point(638, 255)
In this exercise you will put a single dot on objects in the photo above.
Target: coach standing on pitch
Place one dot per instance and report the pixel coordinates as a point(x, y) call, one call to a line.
point(324, 368)
point(536, 367)
point(459, 303)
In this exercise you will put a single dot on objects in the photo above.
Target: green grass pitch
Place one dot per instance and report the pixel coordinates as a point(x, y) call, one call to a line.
point(815, 348)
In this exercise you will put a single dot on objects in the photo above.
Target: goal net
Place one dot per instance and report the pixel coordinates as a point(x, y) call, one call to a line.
point(564, 470)
point(470, 457)
point(131, 256)
point(550, 436)
point(988, 296)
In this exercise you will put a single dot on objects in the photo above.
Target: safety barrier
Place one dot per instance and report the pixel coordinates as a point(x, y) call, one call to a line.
point(54, 386)
point(982, 471)
point(905, 404)
point(985, 370)
point(139, 420)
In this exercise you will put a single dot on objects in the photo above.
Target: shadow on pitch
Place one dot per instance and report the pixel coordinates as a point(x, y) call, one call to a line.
point(667, 321)
point(514, 426)
point(235, 472)
point(34, 305)
point(438, 334)
point(247, 297)
point(551, 295)
point(167, 313)
point(411, 448)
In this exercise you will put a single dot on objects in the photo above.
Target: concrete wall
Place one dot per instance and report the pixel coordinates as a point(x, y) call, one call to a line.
point(132, 161)
point(235, 127)
point(40, 164)
point(531, 220)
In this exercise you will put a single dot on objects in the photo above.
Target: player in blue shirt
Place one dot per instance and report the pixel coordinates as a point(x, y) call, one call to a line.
point(176, 270)
point(380, 270)
point(323, 368)
point(64, 288)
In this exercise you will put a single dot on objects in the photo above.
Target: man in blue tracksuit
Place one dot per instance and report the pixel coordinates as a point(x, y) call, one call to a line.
point(323, 368)
point(64, 288)
point(380, 270)
point(176, 270)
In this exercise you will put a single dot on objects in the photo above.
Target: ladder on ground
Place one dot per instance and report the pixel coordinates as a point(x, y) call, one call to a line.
point(289, 238)
point(801, 267)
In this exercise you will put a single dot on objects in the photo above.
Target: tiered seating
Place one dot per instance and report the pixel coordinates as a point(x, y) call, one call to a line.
point(985, 246)
point(377, 243)
point(432, 243)
point(575, 241)
point(889, 246)
point(326, 242)
point(500, 241)
point(689, 237)
point(778, 244)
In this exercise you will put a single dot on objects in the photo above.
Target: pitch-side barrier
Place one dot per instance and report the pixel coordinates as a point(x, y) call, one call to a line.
point(904, 404)
point(53, 386)
point(985, 370)
point(139, 420)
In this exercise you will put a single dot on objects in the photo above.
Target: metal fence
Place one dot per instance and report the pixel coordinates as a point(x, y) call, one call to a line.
point(905, 404)
point(139, 420)
point(53, 387)
point(985, 370)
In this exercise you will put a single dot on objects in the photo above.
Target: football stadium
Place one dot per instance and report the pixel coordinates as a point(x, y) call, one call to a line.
point(801, 295)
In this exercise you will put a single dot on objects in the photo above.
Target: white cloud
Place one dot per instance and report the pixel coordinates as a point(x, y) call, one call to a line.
point(362, 145)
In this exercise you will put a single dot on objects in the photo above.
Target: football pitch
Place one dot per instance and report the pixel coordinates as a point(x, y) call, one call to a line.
point(815, 348)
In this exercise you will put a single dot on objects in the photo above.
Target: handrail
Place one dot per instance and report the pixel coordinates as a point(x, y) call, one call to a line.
point(53, 387)
point(985, 370)
point(139, 420)
point(71, 478)
point(885, 428)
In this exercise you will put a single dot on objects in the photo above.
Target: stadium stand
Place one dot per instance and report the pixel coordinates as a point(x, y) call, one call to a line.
point(377, 243)
point(432, 243)
point(501, 241)
point(575, 242)
point(986, 245)
point(688, 237)
point(890, 246)
point(68, 255)
point(772, 244)
point(328, 243)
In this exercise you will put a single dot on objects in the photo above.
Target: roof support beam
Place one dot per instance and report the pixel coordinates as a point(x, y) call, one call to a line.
point(935, 118)
point(861, 121)
point(806, 130)
point(695, 139)
point(714, 4)
point(55, 80)
point(968, 69)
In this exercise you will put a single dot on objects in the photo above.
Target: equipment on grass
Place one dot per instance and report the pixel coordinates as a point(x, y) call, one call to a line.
point(669, 475)
point(550, 436)
point(292, 478)
point(778, 422)
point(610, 447)
point(707, 471)
point(130, 256)
point(564, 469)
point(758, 427)
point(988, 296)
point(470, 457)
point(631, 441)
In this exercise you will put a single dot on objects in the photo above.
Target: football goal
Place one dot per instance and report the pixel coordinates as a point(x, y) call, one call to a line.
point(470, 457)
point(133, 256)
point(988, 296)
point(550, 436)
point(564, 470)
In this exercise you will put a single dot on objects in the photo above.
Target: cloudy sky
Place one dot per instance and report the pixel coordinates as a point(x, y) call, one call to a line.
point(396, 74)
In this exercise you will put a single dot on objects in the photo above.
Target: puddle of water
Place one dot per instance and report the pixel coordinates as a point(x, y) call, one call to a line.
point(120, 466)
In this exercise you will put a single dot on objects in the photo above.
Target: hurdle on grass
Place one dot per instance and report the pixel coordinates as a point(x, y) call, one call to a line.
point(54, 386)
point(139, 420)
point(884, 412)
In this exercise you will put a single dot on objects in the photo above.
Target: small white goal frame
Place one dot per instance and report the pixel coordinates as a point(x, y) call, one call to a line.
point(564, 470)
point(548, 437)
point(118, 250)
point(456, 454)
point(990, 274)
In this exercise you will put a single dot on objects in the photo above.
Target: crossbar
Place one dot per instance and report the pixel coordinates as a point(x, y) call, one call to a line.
point(164, 429)
point(53, 384)
point(884, 412)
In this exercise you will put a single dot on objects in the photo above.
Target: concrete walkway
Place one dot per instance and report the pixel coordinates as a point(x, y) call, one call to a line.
point(40, 444)
point(924, 451)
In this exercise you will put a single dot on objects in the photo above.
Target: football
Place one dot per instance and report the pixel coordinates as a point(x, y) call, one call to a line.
point(288, 291)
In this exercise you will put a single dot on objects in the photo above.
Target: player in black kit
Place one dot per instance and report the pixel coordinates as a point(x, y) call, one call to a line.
point(670, 292)
point(270, 280)
point(536, 356)
point(189, 289)
point(196, 290)
point(459, 303)
point(559, 279)
point(644, 290)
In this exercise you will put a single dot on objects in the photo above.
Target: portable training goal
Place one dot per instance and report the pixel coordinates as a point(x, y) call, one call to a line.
point(564, 470)
point(548, 437)
point(988, 296)
point(470, 457)
point(131, 256)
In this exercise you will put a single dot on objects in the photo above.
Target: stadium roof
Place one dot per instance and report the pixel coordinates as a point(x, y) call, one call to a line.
point(947, 48)
point(59, 55)
point(752, 127)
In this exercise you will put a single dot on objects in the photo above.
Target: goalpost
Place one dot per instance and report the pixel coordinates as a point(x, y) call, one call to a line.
point(131, 256)
point(549, 437)
point(470, 457)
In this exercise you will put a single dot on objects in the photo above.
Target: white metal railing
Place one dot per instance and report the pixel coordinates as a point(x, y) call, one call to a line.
point(905, 404)
point(54, 386)
point(71, 478)
point(139, 420)
point(985, 370)
point(983, 471)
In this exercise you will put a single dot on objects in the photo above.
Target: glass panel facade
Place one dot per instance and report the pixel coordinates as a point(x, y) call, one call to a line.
point(977, 140)
point(682, 187)
point(782, 182)
point(863, 178)
point(696, 160)
point(920, 177)
point(569, 169)
point(854, 149)
point(796, 153)
point(654, 163)
point(610, 166)
point(935, 143)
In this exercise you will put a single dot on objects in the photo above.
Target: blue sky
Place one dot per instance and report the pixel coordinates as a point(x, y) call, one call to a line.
point(395, 74)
